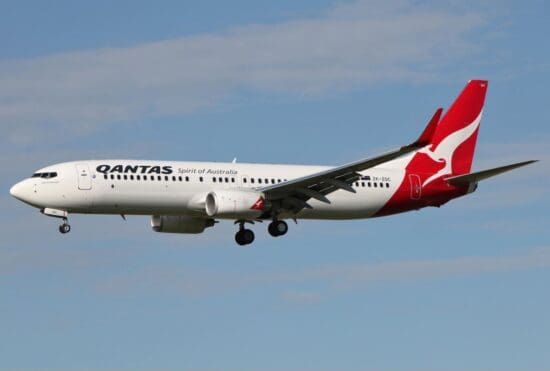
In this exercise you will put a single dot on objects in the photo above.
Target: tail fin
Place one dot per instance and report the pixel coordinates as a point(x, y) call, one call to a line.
point(455, 137)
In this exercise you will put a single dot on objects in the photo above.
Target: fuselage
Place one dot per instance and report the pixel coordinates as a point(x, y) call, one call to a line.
point(132, 187)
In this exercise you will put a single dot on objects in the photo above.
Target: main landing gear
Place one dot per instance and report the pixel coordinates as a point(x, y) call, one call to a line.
point(65, 227)
point(277, 228)
point(245, 236)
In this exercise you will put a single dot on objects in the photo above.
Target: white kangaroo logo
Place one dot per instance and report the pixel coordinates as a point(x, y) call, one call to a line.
point(444, 151)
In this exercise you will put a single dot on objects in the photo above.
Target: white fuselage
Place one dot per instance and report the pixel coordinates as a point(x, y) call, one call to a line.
point(142, 187)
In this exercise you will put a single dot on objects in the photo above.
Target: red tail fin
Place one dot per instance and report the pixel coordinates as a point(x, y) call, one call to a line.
point(456, 134)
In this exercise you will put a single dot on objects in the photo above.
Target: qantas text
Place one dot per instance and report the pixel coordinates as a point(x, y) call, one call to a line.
point(135, 169)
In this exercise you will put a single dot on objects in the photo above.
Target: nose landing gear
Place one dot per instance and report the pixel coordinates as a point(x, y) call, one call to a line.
point(65, 227)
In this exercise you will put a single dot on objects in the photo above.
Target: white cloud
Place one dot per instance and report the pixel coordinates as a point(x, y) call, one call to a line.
point(352, 45)
point(178, 281)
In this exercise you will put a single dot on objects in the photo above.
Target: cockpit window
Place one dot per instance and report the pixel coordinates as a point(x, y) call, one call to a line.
point(44, 175)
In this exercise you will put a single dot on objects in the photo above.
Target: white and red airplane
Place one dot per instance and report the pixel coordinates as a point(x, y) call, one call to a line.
point(188, 197)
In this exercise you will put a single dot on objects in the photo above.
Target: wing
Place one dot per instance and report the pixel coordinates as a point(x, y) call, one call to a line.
point(293, 195)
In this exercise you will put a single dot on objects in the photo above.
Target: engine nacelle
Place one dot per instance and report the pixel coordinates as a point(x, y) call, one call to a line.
point(180, 224)
point(235, 204)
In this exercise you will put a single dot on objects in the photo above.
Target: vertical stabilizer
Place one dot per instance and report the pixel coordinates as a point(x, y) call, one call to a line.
point(455, 137)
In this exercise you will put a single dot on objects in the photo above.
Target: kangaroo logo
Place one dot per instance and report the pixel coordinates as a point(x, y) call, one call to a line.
point(258, 205)
point(444, 151)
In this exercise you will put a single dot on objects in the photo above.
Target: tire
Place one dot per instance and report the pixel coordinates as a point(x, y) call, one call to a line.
point(248, 236)
point(64, 228)
point(277, 228)
point(281, 227)
point(272, 229)
point(239, 238)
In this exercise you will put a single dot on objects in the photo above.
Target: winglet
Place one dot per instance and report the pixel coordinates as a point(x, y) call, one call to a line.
point(428, 133)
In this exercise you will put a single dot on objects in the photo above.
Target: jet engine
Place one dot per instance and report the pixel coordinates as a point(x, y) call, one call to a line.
point(235, 204)
point(180, 224)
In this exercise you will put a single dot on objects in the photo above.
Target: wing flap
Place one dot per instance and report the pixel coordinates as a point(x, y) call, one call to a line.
point(297, 192)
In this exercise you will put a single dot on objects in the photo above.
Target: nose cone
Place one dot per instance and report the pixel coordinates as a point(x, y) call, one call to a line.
point(22, 191)
point(17, 191)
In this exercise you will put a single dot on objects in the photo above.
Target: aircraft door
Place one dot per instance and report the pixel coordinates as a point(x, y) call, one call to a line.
point(84, 177)
point(416, 186)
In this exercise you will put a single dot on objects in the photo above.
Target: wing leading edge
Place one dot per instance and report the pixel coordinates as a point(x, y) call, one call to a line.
point(294, 194)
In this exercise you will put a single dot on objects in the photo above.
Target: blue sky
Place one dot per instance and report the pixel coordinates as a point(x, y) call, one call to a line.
point(317, 82)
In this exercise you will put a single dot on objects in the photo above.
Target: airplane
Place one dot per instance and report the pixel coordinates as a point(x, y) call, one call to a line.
point(188, 197)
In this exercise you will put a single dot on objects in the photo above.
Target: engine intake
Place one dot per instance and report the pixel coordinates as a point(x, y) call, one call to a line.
point(180, 224)
point(235, 204)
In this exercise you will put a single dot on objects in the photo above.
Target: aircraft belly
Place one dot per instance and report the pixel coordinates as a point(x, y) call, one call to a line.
point(142, 202)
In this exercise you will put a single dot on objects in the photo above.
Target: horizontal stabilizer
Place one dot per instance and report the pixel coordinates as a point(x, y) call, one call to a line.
point(467, 179)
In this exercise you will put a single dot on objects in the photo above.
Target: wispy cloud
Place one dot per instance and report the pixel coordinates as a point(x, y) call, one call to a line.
point(327, 279)
point(351, 45)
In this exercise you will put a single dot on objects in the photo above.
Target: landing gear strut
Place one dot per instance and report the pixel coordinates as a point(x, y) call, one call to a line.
point(244, 236)
point(277, 228)
point(65, 227)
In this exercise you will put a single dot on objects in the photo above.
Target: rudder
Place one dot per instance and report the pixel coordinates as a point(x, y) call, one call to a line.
point(456, 134)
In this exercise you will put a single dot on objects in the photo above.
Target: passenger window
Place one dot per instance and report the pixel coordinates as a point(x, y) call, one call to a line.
point(138, 177)
point(244, 180)
point(118, 177)
point(381, 185)
point(131, 177)
point(387, 185)
point(173, 178)
point(159, 178)
point(260, 180)
point(252, 180)
point(272, 181)
point(201, 179)
point(214, 179)
point(375, 185)
point(104, 176)
point(362, 184)
point(112, 176)
point(125, 177)
point(232, 180)
point(227, 180)
point(368, 184)
point(278, 180)
point(145, 177)
point(186, 178)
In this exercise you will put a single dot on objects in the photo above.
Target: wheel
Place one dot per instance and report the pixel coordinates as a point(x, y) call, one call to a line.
point(239, 238)
point(64, 228)
point(244, 237)
point(277, 228)
point(248, 236)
